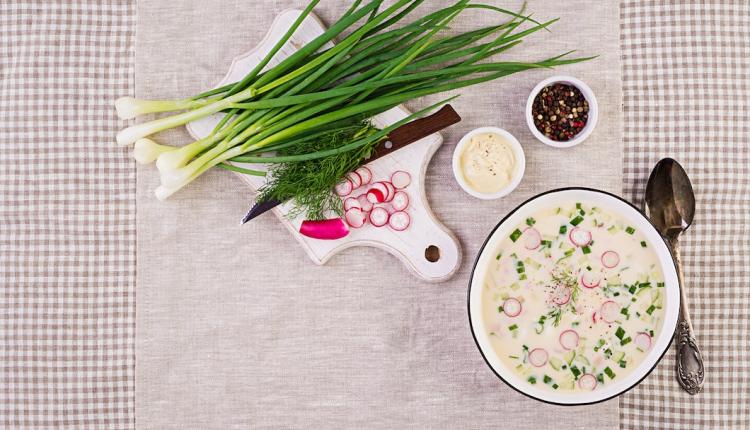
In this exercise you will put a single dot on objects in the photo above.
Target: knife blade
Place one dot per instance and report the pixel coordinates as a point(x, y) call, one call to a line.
point(397, 139)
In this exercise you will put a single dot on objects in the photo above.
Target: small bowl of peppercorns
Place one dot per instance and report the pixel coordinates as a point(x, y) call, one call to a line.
point(561, 111)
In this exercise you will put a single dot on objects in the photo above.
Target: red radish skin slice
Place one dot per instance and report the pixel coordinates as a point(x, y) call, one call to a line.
point(399, 221)
point(389, 190)
point(352, 202)
point(355, 217)
point(379, 217)
point(610, 259)
point(590, 280)
point(344, 188)
point(579, 237)
point(379, 186)
point(532, 239)
point(643, 341)
point(400, 201)
point(327, 229)
point(561, 295)
point(587, 381)
point(569, 339)
point(609, 311)
point(593, 317)
point(375, 196)
point(365, 204)
point(365, 174)
point(512, 307)
point(400, 179)
point(538, 357)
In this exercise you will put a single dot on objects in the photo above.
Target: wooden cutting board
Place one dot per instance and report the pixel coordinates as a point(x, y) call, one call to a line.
point(427, 247)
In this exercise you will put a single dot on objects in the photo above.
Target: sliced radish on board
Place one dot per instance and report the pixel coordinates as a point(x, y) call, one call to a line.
point(352, 202)
point(561, 295)
point(364, 203)
point(579, 236)
point(643, 341)
point(399, 221)
point(512, 307)
point(375, 196)
point(610, 259)
point(379, 216)
point(531, 238)
point(400, 179)
point(355, 178)
point(355, 217)
point(587, 381)
point(538, 357)
point(344, 188)
point(569, 339)
point(327, 229)
point(590, 280)
point(400, 201)
point(379, 186)
point(609, 311)
point(390, 190)
point(365, 174)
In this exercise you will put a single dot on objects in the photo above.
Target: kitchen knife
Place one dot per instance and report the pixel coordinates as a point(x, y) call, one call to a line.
point(397, 139)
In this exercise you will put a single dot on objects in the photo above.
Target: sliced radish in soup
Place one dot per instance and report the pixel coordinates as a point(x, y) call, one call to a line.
point(643, 341)
point(609, 311)
point(590, 279)
point(538, 357)
point(561, 295)
point(587, 382)
point(569, 339)
point(512, 307)
point(579, 236)
point(531, 238)
point(610, 259)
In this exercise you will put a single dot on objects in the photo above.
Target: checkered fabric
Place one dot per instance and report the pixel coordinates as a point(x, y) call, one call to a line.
point(686, 89)
point(67, 216)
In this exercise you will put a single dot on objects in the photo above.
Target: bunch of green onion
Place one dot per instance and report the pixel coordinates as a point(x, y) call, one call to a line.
point(317, 91)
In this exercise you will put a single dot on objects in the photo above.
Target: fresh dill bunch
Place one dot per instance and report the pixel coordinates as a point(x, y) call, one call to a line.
point(309, 184)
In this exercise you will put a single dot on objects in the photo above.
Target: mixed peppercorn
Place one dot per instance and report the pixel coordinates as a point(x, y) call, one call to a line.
point(560, 111)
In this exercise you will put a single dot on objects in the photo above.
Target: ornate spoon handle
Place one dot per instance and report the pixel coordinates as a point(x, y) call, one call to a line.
point(689, 358)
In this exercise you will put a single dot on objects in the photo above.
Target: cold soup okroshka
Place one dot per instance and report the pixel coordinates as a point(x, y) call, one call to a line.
point(573, 298)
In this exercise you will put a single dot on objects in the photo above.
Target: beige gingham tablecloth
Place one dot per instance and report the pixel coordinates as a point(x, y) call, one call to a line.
point(67, 205)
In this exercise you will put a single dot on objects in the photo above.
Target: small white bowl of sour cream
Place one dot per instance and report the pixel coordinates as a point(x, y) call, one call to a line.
point(488, 163)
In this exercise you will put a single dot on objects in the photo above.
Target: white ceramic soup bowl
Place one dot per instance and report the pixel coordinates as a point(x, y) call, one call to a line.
point(487, 256)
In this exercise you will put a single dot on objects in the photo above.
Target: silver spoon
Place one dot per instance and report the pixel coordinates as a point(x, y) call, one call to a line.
point(670, 204)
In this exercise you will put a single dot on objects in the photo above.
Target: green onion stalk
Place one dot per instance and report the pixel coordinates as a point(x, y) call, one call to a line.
point(276, 114)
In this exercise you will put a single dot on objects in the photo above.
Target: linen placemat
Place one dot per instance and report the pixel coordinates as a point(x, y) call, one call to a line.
point(236, 328)
point(67, 216)
point(686, 92)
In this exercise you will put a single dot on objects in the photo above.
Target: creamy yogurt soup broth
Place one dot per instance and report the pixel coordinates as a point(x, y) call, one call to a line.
point(574, 298)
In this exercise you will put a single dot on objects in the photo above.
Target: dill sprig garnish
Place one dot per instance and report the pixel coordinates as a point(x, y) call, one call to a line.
point(309, 184)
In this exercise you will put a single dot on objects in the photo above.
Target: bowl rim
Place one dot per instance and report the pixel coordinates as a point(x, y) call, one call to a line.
point(587, 92)
point(517, 174)
point(671, 330)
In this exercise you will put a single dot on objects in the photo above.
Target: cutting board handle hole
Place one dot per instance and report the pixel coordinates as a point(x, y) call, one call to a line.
point(388, 144)
point(432, 254)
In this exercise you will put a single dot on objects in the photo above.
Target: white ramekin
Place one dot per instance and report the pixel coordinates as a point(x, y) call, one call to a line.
point(590, 123)
point(517, 173)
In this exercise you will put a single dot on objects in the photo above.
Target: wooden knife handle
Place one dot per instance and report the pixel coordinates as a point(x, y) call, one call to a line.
point(415, 130)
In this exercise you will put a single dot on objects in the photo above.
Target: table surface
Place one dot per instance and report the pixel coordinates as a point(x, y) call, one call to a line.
point(68, 215)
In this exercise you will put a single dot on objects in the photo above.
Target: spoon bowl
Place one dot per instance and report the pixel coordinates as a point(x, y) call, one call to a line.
point(670, 200)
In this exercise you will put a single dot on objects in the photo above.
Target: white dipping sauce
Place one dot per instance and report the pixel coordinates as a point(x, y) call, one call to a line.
point(488, 163)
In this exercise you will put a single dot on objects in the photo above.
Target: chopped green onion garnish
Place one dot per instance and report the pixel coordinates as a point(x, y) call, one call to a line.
point(625, 341)
point(586, 250)
point(563, 229)
point(643, 243)
point(609, 372)
point(651, 309)
point(577, 220)
point(513, 327)
point(530, 221)
point(547, 379)
point(532, 380)
point(630, 230)
point(620, 332)
point(500, 309)
point(515, 235)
